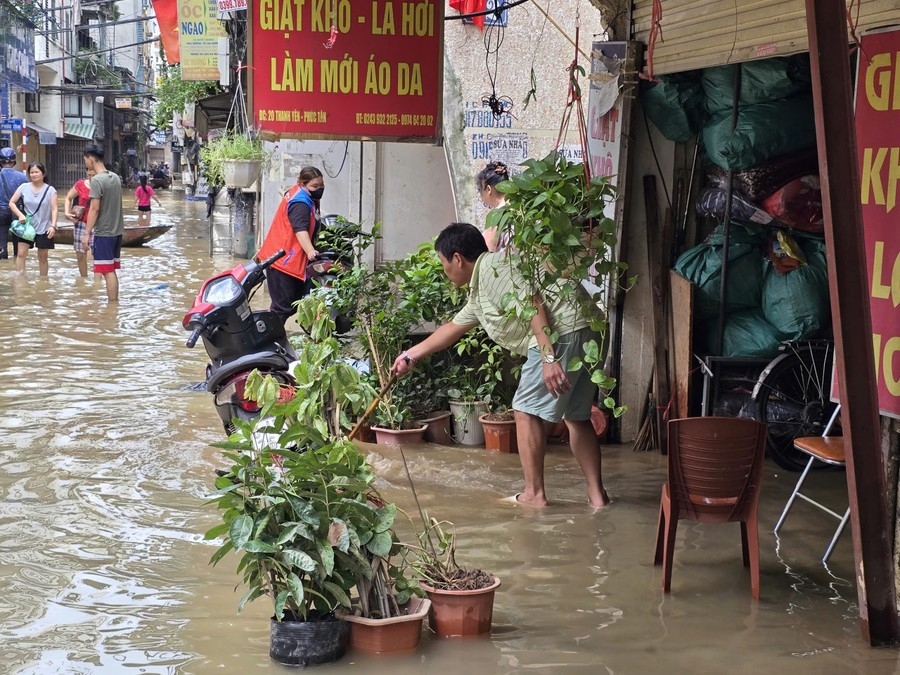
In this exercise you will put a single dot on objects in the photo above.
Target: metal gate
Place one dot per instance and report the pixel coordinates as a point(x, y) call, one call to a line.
point(65, 163)
point(702, 33)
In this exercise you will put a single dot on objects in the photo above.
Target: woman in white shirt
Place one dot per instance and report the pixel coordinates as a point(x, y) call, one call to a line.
point(40, 202)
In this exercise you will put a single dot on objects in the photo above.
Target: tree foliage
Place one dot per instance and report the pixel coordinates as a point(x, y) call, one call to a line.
point(174, 93)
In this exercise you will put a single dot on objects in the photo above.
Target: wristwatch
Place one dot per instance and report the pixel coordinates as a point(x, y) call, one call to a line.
point(549, 358)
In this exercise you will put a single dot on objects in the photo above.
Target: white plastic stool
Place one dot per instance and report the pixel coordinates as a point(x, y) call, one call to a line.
point(827, 449)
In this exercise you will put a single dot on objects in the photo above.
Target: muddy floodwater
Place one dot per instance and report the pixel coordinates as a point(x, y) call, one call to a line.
point(105, 463)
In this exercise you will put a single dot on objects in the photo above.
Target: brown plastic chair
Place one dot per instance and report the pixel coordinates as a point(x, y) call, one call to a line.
point(715, 471)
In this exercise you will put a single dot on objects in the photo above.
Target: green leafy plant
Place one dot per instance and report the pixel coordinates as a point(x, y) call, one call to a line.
point(173, 94)
point(231, 146)
point(298, 503)
point(389, 303)
point(554, 219)
point(477, 368)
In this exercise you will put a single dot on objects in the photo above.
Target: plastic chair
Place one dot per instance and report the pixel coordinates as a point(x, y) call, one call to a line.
point(827, 449)
point(715, 471)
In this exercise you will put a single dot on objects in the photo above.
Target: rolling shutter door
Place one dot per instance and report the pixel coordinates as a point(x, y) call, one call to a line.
point(703, 33)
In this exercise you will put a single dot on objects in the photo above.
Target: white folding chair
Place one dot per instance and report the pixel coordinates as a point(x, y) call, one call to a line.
point(827, 449)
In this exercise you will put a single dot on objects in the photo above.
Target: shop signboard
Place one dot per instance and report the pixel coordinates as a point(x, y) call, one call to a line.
point(18, 69)
point(199, 33)
point(346, 69)
point(878, 148)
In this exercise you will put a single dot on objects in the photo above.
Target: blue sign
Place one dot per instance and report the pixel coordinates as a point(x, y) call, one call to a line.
point(17, 60)
point(11, 124)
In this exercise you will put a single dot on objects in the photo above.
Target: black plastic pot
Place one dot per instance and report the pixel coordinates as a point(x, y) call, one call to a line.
point(305, 643)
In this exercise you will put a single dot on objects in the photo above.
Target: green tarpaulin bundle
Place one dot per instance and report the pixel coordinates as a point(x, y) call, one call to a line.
point(747, 333)
point(675, 105)
point(763, 131)
point(703, 266)
point(797, 303)
point(761, 82)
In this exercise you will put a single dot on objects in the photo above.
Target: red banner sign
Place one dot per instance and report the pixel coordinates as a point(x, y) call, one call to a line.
point(877, 140)
point(336, 68)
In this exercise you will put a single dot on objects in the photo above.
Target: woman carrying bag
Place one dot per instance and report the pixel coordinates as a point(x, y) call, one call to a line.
point(77, 213)
point(40, 202)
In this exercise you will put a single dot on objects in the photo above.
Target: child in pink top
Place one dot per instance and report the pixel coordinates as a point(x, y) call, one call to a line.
point(142, 196)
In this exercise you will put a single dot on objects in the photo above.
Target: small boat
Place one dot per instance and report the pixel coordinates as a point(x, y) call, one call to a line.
point(133, 236)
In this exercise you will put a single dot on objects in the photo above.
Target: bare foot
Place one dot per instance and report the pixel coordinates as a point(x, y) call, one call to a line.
point(530, 500)
point(602, 502)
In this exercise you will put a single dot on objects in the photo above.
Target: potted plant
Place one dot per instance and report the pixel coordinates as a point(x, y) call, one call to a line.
point(462, 600)
point(297, 504)
point(388, 612)
point(234, 159)
point(554, 220)
point(475, 372)
point(386, 307)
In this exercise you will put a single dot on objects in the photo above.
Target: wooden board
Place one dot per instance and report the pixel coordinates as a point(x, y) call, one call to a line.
point(681, 311)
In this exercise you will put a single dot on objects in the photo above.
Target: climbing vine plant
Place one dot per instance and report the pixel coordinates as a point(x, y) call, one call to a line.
point(173, 94)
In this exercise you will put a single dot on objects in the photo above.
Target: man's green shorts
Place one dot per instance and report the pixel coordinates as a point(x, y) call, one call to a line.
point(532, 396)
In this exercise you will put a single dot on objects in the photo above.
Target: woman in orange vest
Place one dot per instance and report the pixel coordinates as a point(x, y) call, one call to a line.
point(294, 229)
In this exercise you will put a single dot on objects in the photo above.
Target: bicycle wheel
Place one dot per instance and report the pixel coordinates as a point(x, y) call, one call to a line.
point(793, 399)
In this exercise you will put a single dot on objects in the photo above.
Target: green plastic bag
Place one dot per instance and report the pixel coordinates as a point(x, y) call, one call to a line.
point(23, 229)
point(763, 131)
point(703, 266)
point(761, 82)
point(797, 303)
point(675, 105)
point(747, 333)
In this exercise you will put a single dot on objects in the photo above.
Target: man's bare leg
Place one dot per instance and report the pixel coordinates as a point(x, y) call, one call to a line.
point(586, 449)
point(532, 439)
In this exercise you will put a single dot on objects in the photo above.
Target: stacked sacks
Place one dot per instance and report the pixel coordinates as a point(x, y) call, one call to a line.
point(763, 306)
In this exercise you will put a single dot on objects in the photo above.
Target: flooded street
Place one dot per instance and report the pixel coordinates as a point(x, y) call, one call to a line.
point(105, 465)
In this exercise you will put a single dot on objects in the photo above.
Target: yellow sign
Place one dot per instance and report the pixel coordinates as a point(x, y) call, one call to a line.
point(199, 30)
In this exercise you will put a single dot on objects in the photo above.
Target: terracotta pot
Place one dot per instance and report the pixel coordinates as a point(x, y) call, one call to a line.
point(500, 435)
point(438, 428)
point(461, 613)
point(397, 437)
point(396, 635)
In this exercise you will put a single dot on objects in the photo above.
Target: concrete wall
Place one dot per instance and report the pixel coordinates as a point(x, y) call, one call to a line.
point(472, 135)
point(403, 186)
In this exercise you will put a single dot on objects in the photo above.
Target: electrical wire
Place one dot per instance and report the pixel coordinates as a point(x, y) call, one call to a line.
point(346, 152)
point(493, 40)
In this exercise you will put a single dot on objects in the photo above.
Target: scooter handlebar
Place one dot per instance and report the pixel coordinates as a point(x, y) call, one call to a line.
point(192, 338)
point(280, 253)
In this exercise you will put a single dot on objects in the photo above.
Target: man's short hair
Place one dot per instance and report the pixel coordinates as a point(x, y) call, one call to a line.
point(94, 150)
point(462, 238)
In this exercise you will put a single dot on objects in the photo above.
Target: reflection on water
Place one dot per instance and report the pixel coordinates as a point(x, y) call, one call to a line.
point(105, 464)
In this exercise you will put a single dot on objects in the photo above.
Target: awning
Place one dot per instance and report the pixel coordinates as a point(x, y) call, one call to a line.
point(80, 130)
point(217, 108)
point(45, 136)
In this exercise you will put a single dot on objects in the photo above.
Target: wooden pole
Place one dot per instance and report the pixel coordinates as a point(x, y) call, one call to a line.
point(848, 283)
point(656, 238)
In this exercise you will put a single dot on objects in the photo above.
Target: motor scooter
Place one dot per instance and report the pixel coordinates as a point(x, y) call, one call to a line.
point(237, 339)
